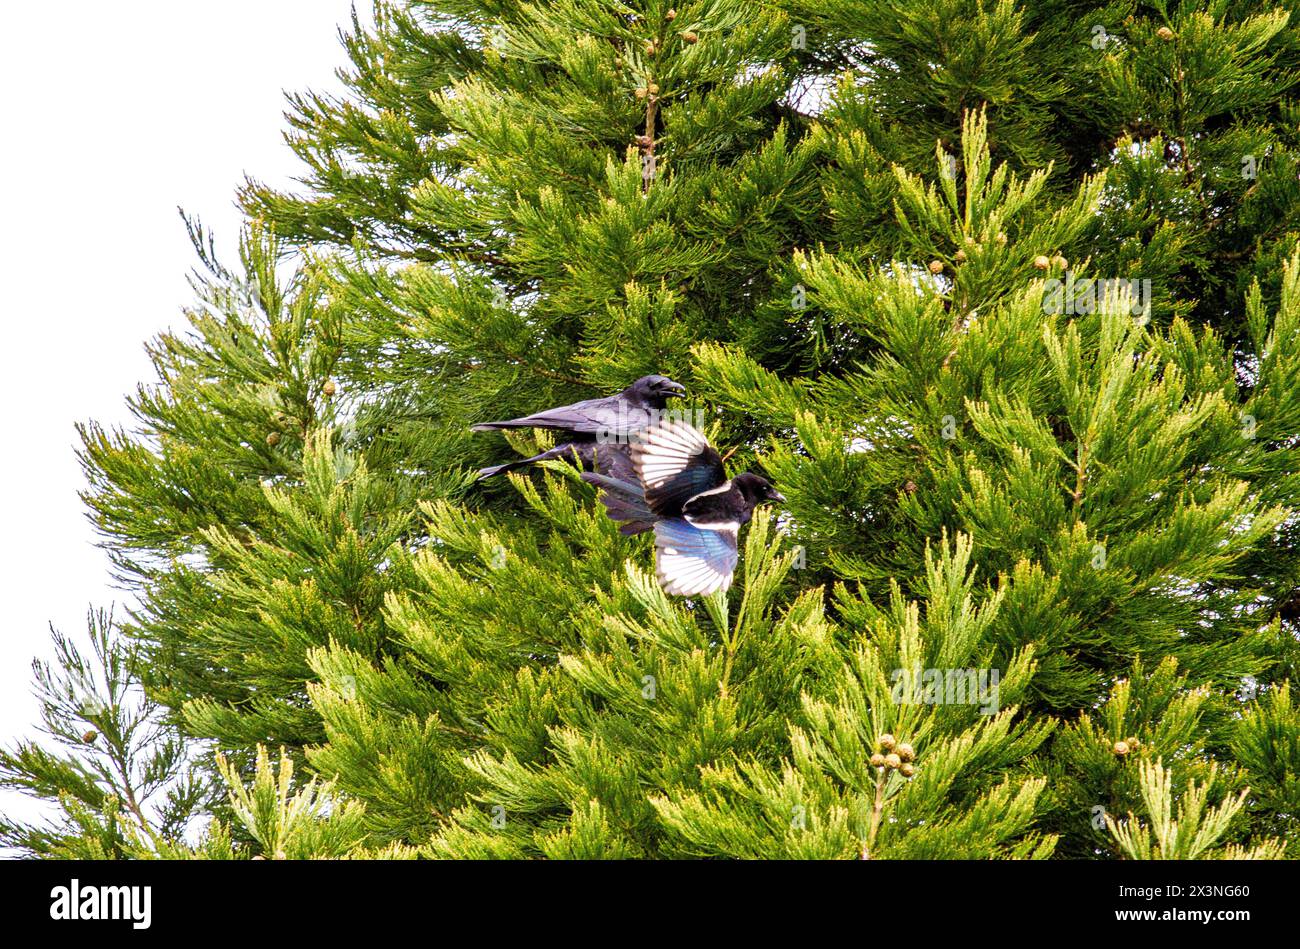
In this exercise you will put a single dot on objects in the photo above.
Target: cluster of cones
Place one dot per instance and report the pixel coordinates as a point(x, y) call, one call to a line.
point(894, 755)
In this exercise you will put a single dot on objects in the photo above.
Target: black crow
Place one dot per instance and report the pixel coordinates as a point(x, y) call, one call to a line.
point(682, 491)
point(598, 430)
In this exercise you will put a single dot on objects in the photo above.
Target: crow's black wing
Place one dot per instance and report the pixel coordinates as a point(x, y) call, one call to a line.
point(693, 561)
point(675, 463)
point(612, 415)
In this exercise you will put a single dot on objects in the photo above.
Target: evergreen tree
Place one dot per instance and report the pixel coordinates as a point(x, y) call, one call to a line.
point(1005, 299)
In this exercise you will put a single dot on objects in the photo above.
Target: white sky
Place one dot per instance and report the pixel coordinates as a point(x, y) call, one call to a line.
point(114, 115)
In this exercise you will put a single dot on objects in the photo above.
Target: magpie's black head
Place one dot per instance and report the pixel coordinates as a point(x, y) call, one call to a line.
point(756, 489)
point(655, 391)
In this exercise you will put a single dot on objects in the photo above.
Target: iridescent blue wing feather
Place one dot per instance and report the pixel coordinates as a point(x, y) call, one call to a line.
point(693, 561)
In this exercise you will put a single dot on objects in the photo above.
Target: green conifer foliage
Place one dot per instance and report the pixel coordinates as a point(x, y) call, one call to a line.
point(1004, 297)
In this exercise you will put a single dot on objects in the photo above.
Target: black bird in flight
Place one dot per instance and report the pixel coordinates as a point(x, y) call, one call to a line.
point(598, 431)
point(682, 492)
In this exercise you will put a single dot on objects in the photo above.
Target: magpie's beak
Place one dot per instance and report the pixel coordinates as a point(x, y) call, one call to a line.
point(673, 390)
point(776, 496)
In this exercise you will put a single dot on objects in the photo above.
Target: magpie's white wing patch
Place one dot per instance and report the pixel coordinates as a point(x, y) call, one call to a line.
point(694, 561)
point(675, 463)
point(665, 450)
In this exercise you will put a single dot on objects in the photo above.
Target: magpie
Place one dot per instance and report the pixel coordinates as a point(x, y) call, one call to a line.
point(598, 431)
point(682, 492)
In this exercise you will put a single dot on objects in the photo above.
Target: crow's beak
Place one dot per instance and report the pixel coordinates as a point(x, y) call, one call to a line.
point(674, 389)
point(776, 496)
